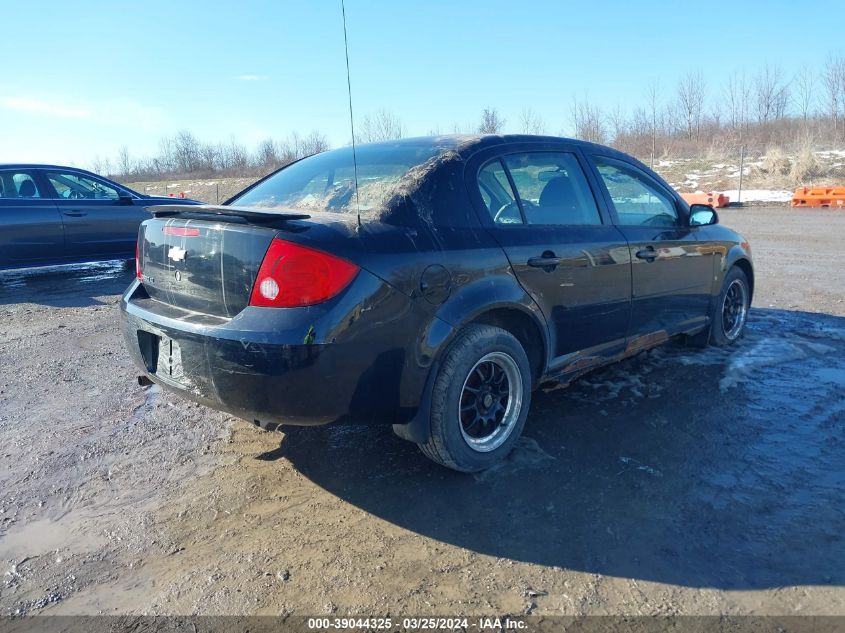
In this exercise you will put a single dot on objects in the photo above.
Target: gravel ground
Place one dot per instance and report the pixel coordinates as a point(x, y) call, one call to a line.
point(681, 481)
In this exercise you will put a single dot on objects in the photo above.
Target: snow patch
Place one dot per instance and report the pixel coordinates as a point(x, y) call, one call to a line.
point(760, 195)
point(766, 353)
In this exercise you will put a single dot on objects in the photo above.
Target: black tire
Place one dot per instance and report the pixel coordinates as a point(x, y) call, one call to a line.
point(477, 350)
point(725, 328)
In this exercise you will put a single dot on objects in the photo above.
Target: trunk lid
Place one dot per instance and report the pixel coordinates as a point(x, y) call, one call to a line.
point(204, 266)
point(205, 258)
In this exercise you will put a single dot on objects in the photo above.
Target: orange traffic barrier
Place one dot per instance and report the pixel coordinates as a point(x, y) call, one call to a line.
point(712, 198)
point(819, 197)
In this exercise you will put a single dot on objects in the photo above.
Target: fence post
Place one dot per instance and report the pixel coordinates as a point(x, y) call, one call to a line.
point(741, 169)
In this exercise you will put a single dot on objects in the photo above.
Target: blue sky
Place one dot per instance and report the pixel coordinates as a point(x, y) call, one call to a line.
point(90, 76)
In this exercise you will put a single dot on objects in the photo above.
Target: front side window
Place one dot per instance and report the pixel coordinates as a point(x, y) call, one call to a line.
point(78, 187)
point(637, 200)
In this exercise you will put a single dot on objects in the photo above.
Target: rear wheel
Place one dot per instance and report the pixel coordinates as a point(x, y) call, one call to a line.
point(480, 400)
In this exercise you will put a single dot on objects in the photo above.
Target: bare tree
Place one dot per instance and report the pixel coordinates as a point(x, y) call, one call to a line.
point(234, 156)
point(531, 122)
point(738, 102)
point(491, 122)
point(166, 160)
point(381, 126)
point(210, 157)
point(618, 121)
point(805, 85)
point(653, 94)
point(101, 165)
point(833, 80)
point(691, 93)
point(186, 152)
point(267, 154)
point(312, 144)
point(124, 161)
point(588, 121)
point(771, 94)
point(462, 128)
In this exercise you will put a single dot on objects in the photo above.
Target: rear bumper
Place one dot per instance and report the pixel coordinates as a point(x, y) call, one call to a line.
point(270, 366)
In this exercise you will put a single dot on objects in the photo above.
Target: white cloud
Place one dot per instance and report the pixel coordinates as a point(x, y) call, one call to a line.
point(251, 78)
point(38, 106)
point(116, 112)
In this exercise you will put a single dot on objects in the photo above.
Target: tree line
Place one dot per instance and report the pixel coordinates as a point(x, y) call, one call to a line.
point(692, 118)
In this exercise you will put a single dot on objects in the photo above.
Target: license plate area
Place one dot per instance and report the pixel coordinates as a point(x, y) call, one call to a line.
point(169, 359)
point(162, 356)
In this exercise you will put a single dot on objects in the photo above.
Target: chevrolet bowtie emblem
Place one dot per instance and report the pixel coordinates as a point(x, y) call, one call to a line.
point(177, 254)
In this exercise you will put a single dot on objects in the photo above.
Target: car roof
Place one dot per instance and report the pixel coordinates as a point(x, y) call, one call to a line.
point(41, 166)
point(467, 144)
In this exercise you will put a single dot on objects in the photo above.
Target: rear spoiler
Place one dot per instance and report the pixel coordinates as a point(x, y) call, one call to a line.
point(248, 213)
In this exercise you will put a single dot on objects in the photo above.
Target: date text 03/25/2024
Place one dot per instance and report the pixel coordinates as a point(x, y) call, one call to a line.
point(418, 624)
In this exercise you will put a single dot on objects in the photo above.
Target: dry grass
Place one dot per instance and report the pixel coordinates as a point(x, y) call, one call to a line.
point(806, 168)
point(211, 191)
point(775, 162)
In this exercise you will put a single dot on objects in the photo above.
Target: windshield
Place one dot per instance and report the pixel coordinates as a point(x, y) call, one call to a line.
point(326, 182)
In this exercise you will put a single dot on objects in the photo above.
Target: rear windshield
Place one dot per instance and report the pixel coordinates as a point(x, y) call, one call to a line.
point(326, 182)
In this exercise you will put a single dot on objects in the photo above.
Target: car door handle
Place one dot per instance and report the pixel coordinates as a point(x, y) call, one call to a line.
point(648, 254)
point(75, 214)
point(548, 260)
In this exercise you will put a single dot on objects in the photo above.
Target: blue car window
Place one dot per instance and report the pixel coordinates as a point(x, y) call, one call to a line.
point(20, 185)
point(78, 187)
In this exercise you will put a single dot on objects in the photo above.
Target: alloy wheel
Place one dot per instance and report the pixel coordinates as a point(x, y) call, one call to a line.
point(490, 402)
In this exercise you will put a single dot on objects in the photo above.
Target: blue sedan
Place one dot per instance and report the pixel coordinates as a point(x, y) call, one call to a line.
point(63, 215)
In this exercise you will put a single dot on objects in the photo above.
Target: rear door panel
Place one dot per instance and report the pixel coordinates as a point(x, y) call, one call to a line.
point(586, 297)
point(31, 231)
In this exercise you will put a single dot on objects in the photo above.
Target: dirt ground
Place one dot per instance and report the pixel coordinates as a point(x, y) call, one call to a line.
point(681, 481)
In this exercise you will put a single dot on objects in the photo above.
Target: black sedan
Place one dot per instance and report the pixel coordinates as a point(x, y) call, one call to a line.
point(63, 215)
point(430, 284)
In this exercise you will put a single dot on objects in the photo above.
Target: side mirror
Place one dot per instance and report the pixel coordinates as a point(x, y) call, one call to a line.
point(702, 215)
point(124, 198)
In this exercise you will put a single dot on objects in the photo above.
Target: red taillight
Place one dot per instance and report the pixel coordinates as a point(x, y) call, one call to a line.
point(138, 258)
point(293, 276)
point(181, 231)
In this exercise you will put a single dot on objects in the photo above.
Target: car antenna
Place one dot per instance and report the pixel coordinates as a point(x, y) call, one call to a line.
point(351, 118)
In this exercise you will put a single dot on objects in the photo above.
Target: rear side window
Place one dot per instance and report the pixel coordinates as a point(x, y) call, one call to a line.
point(637, 199)
point(551, 189)
point(18, 184)
point(74, 186)
point(498, 195)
